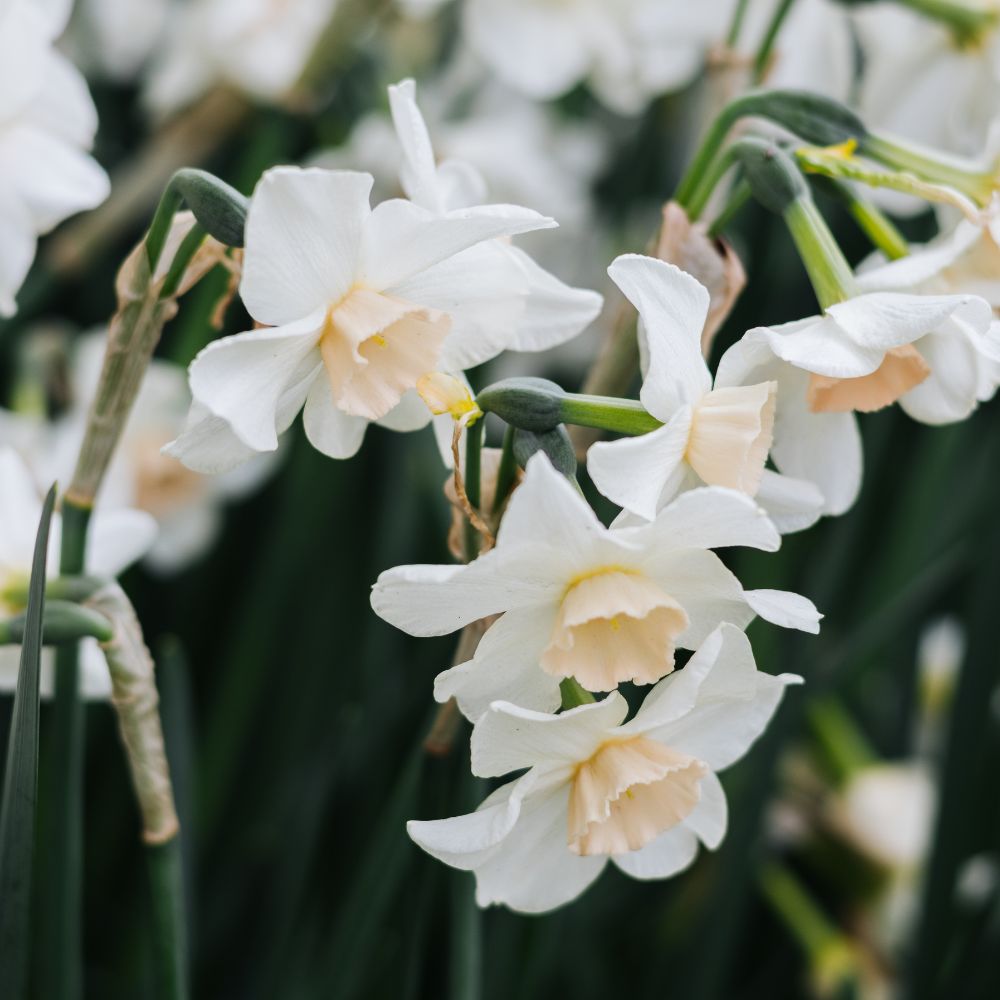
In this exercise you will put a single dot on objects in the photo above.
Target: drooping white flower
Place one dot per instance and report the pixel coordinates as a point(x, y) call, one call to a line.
point(642, 794)
point(259, 47)
point(115, 541)
point(47, 123)
point(860, 354)
point(626, 50)
point(717, 435)
point(581, 600)
point(355, 305)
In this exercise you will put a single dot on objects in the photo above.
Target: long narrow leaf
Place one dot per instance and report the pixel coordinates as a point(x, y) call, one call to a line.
point(20, 792)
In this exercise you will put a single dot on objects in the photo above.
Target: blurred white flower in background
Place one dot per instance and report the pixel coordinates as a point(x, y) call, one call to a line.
point(117, 538)
point(114, 38)
point(260, 47)
point(47, 123)
point(188, 508)
point(923, 82)
point(626, 50)
point(642, 794)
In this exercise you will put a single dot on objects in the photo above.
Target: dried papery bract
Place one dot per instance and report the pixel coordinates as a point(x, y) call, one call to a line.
point(136, 702)
point(709, 259)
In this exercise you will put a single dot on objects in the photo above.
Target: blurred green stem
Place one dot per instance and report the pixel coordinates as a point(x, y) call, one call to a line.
point(506, 472)
point(828, 270)
point(711, 179)
point(843, 745)
point(738, 197)
point(166, 876)
point(763, 57)
point(736, 24)
point(62, 972)
point(872, 221)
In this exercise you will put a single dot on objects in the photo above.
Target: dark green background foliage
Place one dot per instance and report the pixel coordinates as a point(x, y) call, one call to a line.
point(295, 717)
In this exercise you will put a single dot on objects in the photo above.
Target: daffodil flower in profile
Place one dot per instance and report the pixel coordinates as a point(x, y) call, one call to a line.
point(580, 600)
point(641, 794)
point(717, 435)
point(353, 306)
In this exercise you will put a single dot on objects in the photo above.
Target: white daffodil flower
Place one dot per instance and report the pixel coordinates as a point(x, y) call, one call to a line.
point(641, 795)
point(187, 506)
point(603, 605)
point(861, 354)
point(716, 435)
point(550, 312)
point(115, 541)
point(626, 50)
point(355, 305)
point(47, 122)
point(259, 47)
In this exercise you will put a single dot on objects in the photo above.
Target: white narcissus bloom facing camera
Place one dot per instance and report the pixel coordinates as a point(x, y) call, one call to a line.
point(580, 600)
point(47, 122)
point(642, 794)
point(116, 540)
point(354, 305)
point(716, 435)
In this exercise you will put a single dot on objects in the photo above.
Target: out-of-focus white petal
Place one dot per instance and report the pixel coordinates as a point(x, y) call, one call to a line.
point(118, 538)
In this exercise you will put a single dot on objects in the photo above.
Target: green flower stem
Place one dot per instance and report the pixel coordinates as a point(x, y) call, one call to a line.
point(573, 695)
point(964, 176)
point(738, 197)
point(63, 588)
point(736, 25)
point(621, 416)
point(713, 176)
point(63, 622)
point(763, 56)
point(62, 972)
point(875, 224)
point(829, 272)
point(159, 229)
point(831, 954)
point(185, 253)
point(506, 472)
point(843, 746)
point(473, 483)
point(169, 919)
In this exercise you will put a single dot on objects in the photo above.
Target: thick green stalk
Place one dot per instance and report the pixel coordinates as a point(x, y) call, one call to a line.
point(621, 416)
point(829, 272)
point(62, 971)
point(166, 875)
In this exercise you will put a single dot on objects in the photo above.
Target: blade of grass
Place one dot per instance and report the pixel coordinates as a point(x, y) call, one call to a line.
point(20, 791)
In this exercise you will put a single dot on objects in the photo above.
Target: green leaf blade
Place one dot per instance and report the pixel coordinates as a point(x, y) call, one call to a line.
point(20, 792)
